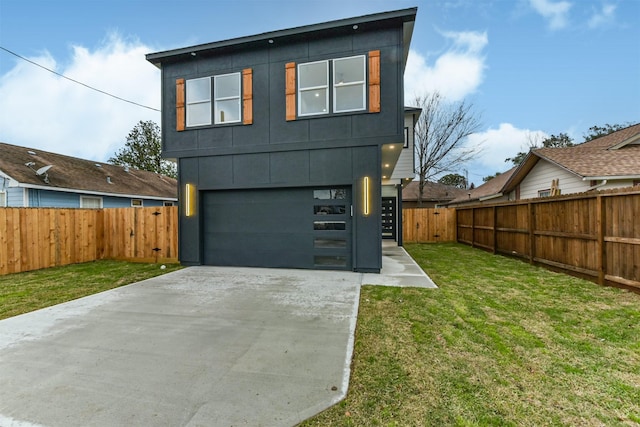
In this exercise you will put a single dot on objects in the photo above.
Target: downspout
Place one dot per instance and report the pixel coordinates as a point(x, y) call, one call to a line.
point(595, 187)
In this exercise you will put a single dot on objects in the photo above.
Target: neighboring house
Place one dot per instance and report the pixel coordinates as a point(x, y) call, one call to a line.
point(31, 177)
point(490, 192)
point(281, 141)
point(611, 161)
point(434, 194)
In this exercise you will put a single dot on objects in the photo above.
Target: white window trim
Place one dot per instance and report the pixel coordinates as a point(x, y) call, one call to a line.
point(362, 83)
point(202, 101)
point(165, 203)
point(135, 205)
point(3, 199)
point(227, 98)
point(544, 193)
point(311, 88)
point(83, 198)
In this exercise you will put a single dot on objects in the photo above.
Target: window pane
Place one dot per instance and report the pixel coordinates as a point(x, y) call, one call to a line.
point(329, 210)
point(313, 75)
point(198, 90)
point(333, 261)
point(199, 114)
point(227, 86)
point(228, 111)
point(329, 225)
point(348, 70)
point(313, 101)
point(90, 202)
point(329, 243)
point(330, 194)
point(349, 98)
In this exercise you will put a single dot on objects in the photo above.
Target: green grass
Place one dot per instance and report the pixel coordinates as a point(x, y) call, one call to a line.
point(500, 343)
point(25, 292)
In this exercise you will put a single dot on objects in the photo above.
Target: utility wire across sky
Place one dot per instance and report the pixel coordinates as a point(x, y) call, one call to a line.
point(76, 81)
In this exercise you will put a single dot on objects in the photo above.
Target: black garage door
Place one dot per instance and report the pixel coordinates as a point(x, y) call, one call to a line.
point(292, 228)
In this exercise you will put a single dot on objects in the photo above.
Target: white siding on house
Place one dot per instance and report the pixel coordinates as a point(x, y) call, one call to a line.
point(540, 177)
point(16, 197)
point(405, 167)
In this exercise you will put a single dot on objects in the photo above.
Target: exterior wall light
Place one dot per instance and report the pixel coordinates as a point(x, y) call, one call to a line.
point(190, 200)
point(366, 202)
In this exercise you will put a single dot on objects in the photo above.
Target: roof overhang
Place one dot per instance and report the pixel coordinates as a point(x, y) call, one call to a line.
point(491, 196)
point(342, 26)
point(635, 139)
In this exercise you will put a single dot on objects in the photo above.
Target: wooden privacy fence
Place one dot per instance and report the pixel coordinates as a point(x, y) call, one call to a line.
point(35, 238)
point(594, 235)
point(429, 225)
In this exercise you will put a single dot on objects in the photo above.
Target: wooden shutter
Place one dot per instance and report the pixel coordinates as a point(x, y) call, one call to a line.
point(247, 96)
point(374, 81)
point(180, 105)
point(290, 90)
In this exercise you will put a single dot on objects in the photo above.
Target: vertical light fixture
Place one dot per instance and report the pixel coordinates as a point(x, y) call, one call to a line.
point(190, 200)
point(365, 196)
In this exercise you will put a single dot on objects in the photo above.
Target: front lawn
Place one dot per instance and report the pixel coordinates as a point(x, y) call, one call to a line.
point(500, 343)
point(24, 292)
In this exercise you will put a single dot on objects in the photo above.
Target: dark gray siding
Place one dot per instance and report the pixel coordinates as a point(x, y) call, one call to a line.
point(270, 131)
point(337, 149)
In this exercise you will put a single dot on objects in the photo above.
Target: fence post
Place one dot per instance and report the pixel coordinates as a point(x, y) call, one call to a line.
point(495, 230)
point(532, 244)
point(600, 226)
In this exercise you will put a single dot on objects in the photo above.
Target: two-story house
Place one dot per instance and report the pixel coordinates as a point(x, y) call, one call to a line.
point(279, 139)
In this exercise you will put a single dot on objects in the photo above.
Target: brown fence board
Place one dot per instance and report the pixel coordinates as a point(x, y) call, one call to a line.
point(35, 238)
point(591, 234)
point(429, 225)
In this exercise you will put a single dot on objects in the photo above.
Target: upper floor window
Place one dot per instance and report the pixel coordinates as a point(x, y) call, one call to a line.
point(347, 79)
point(199, 102)
point(349, 84)
point(313, 85)
point(226, 100)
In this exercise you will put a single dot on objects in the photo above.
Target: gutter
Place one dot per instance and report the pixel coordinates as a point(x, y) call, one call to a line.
point(493, 196)
point(604, 178)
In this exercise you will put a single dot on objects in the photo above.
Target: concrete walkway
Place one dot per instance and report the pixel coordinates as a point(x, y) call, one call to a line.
point(203, 346)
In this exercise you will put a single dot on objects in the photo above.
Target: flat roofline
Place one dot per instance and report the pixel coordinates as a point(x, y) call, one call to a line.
point(404, 15)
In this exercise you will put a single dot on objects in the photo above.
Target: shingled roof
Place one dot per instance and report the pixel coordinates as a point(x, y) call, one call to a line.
point(492, 188)
point(433, 192)
point(73, 174)
point(613, 156)
point(616, 154)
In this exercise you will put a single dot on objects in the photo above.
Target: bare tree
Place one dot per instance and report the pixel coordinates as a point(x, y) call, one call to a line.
point(440, 134)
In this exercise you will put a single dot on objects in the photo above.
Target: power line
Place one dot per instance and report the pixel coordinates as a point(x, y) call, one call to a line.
point(76, 81)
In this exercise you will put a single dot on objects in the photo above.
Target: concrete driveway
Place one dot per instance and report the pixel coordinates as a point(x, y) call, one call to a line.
point(203, 346)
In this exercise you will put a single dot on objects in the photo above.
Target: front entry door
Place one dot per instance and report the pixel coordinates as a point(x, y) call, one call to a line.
point(389, 208)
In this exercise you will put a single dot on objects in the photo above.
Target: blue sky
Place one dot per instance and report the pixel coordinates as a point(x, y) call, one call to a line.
point(531, 68)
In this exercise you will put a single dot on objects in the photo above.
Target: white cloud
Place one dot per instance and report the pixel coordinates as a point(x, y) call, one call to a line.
point(603, 17)
point(42, 110)
point(555, 12)
point(501, 143)
point(455, 74)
